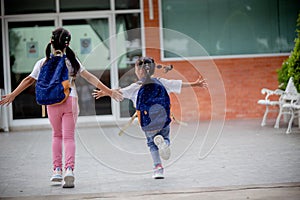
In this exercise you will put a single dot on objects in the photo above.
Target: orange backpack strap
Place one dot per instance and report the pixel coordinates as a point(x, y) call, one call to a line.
point(128, 124)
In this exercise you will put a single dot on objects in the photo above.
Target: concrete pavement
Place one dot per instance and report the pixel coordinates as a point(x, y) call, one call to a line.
point(266, 192)
point(247, 162)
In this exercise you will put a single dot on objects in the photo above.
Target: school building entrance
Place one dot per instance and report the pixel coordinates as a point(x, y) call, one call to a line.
point(106, 40)
point(245, 42)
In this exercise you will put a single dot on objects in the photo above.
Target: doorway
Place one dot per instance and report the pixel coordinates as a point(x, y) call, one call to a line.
point(106, 45)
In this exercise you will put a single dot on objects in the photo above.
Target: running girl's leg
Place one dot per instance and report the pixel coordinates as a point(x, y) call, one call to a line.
point(153, 149)
point(165, 132)
point(55, 115)
point(69, 120)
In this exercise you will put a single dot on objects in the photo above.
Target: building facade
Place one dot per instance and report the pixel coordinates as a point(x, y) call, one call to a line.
point(236, 45)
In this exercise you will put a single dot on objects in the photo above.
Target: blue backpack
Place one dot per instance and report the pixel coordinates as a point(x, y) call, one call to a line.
point(53, 85)
point(153, 106)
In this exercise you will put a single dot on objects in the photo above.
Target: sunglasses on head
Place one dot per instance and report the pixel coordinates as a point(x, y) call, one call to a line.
point(145, 60)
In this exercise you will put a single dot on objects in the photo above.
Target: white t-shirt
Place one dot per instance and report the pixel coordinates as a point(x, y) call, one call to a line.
point(131, 91)
point(37, 68)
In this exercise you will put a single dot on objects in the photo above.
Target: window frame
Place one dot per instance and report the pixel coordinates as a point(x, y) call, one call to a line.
point(215, 57)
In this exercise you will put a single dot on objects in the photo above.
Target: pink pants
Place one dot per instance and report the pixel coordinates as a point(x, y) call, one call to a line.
point(63, 119)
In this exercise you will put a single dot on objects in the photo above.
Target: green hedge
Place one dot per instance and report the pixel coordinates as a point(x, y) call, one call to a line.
point(291, 66)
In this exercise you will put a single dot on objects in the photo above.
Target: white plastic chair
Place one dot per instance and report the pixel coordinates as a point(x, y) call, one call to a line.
point(288, 98)
point(267, 102)
point(293, 108)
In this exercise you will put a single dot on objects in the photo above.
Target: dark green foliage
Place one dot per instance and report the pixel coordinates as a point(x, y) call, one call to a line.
point(291, 66)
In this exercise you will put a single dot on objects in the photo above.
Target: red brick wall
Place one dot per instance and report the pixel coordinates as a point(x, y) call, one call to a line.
point(243, 79)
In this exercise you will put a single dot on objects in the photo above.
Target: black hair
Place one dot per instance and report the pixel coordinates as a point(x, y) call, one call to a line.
point(148, 66)
point(60, 40)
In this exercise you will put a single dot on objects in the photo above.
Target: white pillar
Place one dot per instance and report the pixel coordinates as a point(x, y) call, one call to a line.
point(3, 113)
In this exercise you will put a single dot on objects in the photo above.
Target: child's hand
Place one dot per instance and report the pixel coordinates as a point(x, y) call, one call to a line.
point(117, 95)
point(7, 99)
point(201, 82)
point(99, 93)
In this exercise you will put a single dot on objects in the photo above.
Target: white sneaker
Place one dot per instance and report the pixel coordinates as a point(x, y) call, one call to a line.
point(164, 150)
point(158, 172)
point(57, 175)
point(69, 178)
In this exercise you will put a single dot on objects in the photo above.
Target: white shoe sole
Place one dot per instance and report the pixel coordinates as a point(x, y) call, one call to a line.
point(68, 182)
point(158, 177)
point(56, 179)
point(164, 150)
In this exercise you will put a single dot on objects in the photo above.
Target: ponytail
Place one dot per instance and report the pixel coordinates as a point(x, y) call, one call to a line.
point(60, 40)
point(48, 51)
point(74, 62)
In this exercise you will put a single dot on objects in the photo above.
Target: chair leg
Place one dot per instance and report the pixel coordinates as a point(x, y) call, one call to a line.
point(297, 115)
point(298, 119)
point(278, 118)
point(263, 122)
point(289, 129)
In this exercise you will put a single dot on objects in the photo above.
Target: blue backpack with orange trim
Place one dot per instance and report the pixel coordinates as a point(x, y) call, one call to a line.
point(153, 106)
point(53, 85)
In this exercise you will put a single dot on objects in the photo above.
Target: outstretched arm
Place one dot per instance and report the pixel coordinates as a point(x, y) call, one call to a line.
point(115, 94)
point(99, 93)
point(200, 82)
point(26, 82)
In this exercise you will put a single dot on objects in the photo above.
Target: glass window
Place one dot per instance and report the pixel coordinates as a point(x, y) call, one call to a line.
point(229, 27)
point(86, 5)
point(28, 6)
point(27, 44)
point(287, 24)
point(91, 45)
point(127, 4)
point(129, 48)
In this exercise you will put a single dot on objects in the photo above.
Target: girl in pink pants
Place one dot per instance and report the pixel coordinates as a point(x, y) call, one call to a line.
point(63, 119)
point(62, 116)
